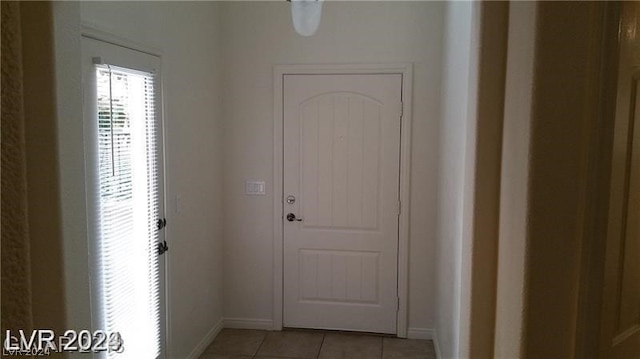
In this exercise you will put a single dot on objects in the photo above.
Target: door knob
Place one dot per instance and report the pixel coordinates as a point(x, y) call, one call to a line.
point(292, 217)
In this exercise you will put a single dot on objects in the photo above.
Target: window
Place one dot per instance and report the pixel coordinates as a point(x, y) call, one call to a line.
point(127, 269)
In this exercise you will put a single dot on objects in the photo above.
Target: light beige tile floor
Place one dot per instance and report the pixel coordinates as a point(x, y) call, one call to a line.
point(314, 344)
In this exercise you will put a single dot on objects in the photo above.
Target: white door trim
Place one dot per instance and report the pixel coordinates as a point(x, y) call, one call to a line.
point(406, 70)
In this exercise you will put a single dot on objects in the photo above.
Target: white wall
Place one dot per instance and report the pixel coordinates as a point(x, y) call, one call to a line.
point(186, 34)
point(456, 85)
point(68, 96)
point(258, 35)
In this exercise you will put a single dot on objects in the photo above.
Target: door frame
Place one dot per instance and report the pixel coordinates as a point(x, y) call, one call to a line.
point(95, 32)
point(406, 71)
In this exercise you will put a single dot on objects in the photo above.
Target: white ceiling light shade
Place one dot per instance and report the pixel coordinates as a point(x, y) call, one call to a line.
point(306, 16)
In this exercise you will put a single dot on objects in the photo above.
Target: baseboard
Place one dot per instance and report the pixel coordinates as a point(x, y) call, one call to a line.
point(207, 340)
point(424, 333)
point(436, 345)
point(420, 333)
point(248, 323)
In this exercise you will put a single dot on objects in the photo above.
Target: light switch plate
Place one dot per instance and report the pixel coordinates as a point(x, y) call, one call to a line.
point(254, 188)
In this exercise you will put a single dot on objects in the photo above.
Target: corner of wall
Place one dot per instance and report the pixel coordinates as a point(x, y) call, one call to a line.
point(68, 89)
point(452, 207)
point(206, 340)
point(436, 345)
point(426, 334)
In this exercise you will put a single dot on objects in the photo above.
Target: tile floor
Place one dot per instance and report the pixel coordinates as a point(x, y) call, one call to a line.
point(314, 344)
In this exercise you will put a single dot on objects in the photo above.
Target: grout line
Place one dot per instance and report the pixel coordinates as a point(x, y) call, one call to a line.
point(324, 335)
point(260, 346)
point(382, 348)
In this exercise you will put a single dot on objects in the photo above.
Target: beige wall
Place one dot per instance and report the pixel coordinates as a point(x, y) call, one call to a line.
point(514, 187)
point(553, 119)
point(255, 37)
point(482, 182)
point(566, 108)
point(42, 168)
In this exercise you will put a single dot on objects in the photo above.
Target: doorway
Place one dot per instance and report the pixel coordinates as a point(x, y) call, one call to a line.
point(125, 196)
point(343, 202)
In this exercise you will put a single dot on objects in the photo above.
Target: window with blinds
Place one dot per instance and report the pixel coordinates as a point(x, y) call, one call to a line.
point(128, 196)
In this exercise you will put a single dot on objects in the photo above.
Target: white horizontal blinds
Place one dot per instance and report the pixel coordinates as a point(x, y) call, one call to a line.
point(128, 209)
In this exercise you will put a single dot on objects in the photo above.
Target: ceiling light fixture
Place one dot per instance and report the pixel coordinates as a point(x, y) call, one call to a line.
point(306, 16)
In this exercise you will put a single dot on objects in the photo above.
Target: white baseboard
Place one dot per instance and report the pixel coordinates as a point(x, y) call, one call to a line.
point(420, 333)
point(424, 333)
point(248, 323)
point(436, 345)
point(207, 340)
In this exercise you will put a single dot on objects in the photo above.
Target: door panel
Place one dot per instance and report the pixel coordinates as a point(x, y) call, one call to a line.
point(621, 297)
point(341, 163)
point(339, 179)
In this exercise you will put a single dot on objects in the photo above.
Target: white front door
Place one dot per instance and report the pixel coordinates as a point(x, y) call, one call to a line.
point(341, 182)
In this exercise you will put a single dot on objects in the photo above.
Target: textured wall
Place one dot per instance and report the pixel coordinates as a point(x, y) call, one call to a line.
point(16, 285)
